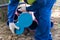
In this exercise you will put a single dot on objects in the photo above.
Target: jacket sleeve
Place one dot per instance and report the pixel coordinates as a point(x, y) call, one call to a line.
point(36, 5)
point(32, 7)
point(11, 9)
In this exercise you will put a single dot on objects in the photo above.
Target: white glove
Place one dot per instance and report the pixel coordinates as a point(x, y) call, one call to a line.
point(12, 27)
point(32, 13)
point(22, 8)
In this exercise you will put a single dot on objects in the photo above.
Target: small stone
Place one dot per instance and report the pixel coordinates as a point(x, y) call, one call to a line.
point(1, 38)
point(9, 38)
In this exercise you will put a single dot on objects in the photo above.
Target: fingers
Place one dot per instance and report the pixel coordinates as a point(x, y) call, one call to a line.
point(12, 30)
point(17, 27)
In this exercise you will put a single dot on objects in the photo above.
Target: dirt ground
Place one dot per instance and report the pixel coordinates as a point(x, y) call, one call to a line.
point(56, 29)
point(5, 33)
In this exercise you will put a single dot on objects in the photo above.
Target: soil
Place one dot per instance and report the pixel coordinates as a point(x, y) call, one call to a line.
point(5, 33)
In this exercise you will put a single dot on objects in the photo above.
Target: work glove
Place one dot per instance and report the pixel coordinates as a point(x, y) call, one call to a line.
point(12, 27)
point(22, 8)
point(32, 13)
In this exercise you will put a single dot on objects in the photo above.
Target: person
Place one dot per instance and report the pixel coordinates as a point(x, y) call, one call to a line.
point(42, 9)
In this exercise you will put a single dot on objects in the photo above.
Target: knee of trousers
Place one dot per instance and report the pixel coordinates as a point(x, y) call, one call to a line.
point(44, 26)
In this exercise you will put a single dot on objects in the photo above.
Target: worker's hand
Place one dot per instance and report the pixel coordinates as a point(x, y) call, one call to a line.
point(22, 8)
point(12, 27)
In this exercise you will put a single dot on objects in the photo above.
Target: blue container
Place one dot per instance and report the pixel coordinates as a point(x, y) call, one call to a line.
point(24, 21)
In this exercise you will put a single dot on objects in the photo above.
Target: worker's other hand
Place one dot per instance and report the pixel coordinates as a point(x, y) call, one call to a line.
point(12, 27)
